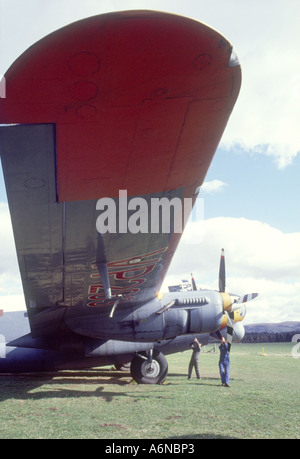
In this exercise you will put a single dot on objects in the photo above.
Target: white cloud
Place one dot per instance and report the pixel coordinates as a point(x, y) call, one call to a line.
point(259, 258)
point(8, 253)
point(212, 187)
point(9, 272)
point(12, 303)
point(265, 118)
point(278, 301)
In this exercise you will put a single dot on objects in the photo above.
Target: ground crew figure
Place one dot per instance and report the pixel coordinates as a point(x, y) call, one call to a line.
point(224, 363)
point(194, 362)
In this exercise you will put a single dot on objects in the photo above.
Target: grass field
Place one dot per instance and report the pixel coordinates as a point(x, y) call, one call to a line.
point(262, 402)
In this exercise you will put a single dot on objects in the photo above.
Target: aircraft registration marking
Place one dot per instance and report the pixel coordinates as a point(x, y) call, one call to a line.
point(127, 277)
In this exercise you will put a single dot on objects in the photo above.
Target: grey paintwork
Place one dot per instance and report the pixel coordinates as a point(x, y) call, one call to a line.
point(71, 323)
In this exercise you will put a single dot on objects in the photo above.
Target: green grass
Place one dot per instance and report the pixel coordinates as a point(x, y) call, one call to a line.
point(262, 402)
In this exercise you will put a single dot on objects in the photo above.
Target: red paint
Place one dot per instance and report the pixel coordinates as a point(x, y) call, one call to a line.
point(126, 277)
point(140, 101)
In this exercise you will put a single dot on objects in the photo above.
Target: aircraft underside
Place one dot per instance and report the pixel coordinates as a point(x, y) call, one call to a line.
point(70, 350)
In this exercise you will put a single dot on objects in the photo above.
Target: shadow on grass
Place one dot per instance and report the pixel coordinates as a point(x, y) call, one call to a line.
point(205, 380)
point(24, 385)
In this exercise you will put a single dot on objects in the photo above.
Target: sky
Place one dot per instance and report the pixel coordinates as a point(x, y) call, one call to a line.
point(252, 189)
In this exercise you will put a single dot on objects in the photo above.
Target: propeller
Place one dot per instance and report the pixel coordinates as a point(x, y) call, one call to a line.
point(222, 277)
point(230, 322)
point(231, 301)
point(229, 305)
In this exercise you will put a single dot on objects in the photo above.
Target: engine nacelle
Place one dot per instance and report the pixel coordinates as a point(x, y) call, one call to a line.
point(205, 319)
point(152, 322)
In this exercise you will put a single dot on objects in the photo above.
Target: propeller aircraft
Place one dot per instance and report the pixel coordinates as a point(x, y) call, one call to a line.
point(135, 101)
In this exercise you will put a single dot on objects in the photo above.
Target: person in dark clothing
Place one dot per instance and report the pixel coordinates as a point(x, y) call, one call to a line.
point(224, 363)
point(194, 362)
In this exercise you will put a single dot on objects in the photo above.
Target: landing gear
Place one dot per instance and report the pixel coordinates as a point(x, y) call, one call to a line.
point(149, 368)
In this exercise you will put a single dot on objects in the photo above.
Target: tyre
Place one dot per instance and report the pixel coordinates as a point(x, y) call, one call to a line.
point(145, 372)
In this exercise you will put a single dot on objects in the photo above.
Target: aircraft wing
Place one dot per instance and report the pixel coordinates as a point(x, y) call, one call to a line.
point(134, 101)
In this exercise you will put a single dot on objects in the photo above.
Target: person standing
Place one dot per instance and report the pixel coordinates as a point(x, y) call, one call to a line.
point(224, 363)
point(194, 362)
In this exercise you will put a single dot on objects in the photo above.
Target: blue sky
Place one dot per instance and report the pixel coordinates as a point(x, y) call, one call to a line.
point(252, 189)
point(255, 187)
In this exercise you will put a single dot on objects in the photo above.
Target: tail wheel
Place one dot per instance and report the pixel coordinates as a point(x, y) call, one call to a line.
point(149, 371)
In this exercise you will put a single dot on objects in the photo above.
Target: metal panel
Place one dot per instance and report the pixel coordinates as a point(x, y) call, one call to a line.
point(28, 161)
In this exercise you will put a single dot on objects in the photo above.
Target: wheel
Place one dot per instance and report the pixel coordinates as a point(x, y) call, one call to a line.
point(144, 371)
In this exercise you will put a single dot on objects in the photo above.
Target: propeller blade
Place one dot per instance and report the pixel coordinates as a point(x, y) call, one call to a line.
point(243, 299)
point(217, 334)
point(193, 282)
point(230, 315)
point(247, 297)
point(230, 322)
point(222, 272)
point(236, 304)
